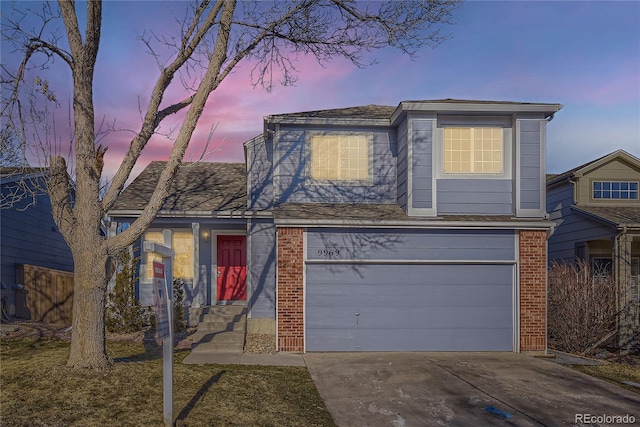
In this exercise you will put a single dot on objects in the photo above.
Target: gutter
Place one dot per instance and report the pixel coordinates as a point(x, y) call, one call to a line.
point(461, 225)
point(193, 214)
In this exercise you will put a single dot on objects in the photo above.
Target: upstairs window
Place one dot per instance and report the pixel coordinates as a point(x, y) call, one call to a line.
point(340, 157)
point(473, 150)
point(615, 190)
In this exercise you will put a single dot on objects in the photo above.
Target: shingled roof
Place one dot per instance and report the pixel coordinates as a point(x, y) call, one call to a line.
point(385, 114)
point(198, 186)
point(620, 216)
point(359, 112)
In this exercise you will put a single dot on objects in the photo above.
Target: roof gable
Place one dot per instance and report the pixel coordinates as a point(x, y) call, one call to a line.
point(585, 168)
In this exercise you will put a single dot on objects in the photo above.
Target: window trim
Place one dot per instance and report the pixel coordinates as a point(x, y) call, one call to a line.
point(309, 135)
point(507, 154)
point(619, 199)
point(472, 150)
point(145, 258)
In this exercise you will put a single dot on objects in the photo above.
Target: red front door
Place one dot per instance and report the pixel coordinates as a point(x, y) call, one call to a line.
point(232, 268)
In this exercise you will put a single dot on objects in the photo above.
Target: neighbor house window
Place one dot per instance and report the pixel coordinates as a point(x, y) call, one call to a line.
point(473, 150)
point(182, 245)
point(619, 190)
point(340, 157)
point(601, 268)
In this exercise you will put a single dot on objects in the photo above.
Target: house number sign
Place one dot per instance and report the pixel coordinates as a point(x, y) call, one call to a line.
point(328, 253)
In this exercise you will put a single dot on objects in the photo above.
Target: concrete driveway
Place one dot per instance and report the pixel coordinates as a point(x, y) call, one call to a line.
point(459, 389)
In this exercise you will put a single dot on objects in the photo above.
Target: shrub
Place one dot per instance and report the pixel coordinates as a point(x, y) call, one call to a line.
point(124, 312)
point(581, 307)
point(178, 309)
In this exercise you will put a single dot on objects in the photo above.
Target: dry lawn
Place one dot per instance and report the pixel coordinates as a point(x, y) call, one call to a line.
point(37, 389)
point(617, 373)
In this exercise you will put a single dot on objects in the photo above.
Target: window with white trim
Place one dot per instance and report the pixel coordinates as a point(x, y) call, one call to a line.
point(615, 190)
point(182, 245)
point(473, 150)
point(340, 157)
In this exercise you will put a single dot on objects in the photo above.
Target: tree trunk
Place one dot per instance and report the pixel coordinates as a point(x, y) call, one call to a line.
point(88, 342)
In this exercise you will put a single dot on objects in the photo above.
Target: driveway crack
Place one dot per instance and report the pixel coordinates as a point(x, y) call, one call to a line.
point(489, 395)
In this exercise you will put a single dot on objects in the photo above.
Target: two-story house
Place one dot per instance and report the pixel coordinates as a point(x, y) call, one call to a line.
point(374, 228)
point(596, 209)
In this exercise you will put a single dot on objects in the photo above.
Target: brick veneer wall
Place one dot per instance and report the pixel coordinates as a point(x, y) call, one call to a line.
point(290, 321)
point(533, 290)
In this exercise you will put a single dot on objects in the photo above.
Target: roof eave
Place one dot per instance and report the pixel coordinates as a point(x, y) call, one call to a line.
point(461, 107)
point(240, 213)
point(325, 121)
point(432, 224)
point(594, 216)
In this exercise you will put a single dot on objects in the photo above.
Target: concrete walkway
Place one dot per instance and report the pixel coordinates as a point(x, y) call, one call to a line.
point(239, 358)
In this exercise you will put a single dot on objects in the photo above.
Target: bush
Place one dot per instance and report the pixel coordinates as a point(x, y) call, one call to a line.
point(178, 309)
point(124, 312)
point(581, 307)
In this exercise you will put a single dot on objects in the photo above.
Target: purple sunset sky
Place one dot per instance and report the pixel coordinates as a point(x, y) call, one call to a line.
point(584, 55)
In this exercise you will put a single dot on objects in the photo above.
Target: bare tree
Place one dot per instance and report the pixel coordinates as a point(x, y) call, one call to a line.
point(215, 35)
point(582, 307)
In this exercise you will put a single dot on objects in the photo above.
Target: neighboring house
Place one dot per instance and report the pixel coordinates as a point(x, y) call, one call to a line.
point(374, 228)
point(596, 208)
point(28, 234)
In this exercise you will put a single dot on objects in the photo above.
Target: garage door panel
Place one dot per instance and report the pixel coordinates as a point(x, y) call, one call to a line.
point(421, 308)
point(392, 318)
point(383, 275)
point(423, 295)
point(407, 340)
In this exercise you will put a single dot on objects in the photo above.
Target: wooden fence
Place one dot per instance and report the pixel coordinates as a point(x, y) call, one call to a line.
point(47, 295)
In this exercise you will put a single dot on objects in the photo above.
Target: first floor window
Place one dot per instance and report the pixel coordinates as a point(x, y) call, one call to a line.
point(182, 245)
point(473, 150)
point(602, 267)
point(340, 157)
point(618, 190)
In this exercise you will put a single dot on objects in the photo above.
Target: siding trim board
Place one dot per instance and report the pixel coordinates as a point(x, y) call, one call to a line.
point(519, 166)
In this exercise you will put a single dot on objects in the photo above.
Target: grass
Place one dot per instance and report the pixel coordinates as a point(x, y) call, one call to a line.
point(615, 373)
point(37, 389)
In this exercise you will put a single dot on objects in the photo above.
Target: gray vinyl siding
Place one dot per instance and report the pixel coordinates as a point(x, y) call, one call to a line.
point(28, 235)
point(292, 169)
point(262, 274)
point(260, 174)
point(571, 227)
point(421, 163)
point(429, 245)
point(475, 196)
point(402, 170)
point(530, 164)
point(432, 308)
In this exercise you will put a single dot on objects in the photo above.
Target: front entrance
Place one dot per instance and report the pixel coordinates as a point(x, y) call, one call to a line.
point(232, 268)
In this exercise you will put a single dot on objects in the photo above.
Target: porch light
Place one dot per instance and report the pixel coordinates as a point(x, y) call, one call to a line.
point(206, 236)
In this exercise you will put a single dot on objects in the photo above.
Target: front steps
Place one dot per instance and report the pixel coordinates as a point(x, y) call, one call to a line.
point(222, 329)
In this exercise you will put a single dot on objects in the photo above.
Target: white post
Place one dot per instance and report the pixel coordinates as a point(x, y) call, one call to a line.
point(167, 342)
